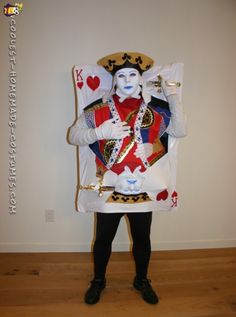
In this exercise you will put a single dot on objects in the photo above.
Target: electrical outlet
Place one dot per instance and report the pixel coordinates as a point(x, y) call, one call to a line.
point(49, 215)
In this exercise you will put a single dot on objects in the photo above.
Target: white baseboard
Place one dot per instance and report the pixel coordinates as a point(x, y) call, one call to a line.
point(194, 244)
point(86, 247)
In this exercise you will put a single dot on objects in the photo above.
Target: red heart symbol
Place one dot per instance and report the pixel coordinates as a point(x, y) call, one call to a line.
point(162, 195)
point(175, 194)
point(93, 82)
point(80, 84)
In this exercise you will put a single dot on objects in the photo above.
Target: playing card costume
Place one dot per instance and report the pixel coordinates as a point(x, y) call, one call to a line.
point(127, 134)
point(138, 171)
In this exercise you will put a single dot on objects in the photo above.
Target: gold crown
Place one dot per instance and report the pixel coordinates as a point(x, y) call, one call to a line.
point(116, 61)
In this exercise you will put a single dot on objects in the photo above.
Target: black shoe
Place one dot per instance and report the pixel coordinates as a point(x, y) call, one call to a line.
point(145, 288)
point(92, 295)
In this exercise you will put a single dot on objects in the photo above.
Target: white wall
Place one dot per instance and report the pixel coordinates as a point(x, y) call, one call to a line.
point(52, 36)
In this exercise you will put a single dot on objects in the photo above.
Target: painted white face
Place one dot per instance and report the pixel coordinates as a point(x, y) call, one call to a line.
point(127, 80)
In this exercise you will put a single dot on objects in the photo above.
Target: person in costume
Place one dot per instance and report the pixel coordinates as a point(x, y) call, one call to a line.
point(128, 132)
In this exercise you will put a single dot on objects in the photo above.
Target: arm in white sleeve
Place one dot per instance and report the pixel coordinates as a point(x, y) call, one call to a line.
point(80, 134)
point(177, 125)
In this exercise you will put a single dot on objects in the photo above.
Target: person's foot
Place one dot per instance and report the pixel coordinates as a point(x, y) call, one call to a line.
point(93, 293)
point(145, 288)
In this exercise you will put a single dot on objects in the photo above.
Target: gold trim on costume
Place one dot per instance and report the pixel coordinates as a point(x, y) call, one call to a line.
point(130, 115)
point(158, 149)
point(126, 150)
point(95, 107)
point(148, 118)
point(109, 145)
point(108, 148)
point(116, 197)
point(157, 146)
point(110, 62)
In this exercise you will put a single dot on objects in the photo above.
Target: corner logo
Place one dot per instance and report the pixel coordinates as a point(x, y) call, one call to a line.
point(10, 10)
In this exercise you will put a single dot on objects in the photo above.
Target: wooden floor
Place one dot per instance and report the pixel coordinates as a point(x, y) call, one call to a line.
point(199, 283)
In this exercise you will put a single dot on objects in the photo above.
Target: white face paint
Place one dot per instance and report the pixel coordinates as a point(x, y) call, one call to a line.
point(127, 80)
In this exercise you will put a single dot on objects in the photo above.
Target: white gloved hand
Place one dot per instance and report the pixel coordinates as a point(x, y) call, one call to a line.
point(144, 150)
point(109, 130)
point(168, 89)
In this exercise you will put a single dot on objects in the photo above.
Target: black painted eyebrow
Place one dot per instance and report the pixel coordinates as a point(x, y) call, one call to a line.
point(130, 72)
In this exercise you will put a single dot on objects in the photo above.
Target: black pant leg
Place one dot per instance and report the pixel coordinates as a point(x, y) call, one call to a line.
point(106, 229)
point(140, 225)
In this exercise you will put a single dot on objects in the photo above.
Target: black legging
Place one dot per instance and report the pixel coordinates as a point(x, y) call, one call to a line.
point(107, 224)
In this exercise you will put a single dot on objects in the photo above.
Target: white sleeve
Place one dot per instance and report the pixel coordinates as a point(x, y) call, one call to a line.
point(177, 125)
point(80, 134)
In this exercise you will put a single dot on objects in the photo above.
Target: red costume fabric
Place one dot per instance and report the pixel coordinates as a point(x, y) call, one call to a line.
point(152, 127)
